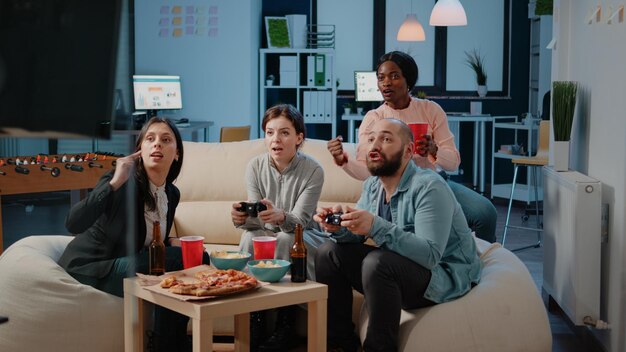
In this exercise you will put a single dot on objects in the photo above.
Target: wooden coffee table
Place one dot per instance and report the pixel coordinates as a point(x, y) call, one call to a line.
point(202, 313)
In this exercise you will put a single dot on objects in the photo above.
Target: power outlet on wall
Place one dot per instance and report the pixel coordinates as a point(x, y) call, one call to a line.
point(604, 223)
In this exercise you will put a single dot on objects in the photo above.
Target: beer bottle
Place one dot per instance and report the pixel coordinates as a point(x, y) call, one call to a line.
point(297, 254)
point(157, 251)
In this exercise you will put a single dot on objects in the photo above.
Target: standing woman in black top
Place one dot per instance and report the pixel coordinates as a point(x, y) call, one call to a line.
point(114, 223)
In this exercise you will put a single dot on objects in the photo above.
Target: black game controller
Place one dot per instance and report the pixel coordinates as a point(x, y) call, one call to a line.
point(334, 219)
point(253, 209)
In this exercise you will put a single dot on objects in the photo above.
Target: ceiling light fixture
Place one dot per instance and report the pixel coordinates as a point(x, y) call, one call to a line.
point(448, 13)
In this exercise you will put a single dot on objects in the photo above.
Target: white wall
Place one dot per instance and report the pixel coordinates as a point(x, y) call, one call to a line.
point(354, 30)
point(593, 54)
point(219, 72)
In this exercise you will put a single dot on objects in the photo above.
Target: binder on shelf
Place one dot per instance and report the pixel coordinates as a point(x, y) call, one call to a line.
point(328, 106)
point(320, 69)
point(313, 105)
point(328, 71)
point(310, 70)
point(306, 105)
point(321, 109)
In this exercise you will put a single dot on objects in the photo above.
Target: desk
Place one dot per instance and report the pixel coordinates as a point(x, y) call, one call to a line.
point(280, 294)
point(351, 118)
point(478, 180)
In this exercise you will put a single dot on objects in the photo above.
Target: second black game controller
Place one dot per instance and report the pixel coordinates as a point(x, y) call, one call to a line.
point(252, 209)
point(334, 219)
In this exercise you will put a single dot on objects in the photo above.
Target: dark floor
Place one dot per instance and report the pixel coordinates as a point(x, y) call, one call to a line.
point(45, 214)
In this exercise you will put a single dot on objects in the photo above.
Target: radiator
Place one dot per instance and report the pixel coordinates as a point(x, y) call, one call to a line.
point(572, 239)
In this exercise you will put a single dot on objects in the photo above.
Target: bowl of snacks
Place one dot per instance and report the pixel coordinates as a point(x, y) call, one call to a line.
point(270, 270)
point(229, 259)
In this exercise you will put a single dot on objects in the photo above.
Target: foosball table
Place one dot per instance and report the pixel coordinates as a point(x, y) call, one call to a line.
point(48, 173)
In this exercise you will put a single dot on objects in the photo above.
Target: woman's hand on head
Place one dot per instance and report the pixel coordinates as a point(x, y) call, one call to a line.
point(335, 147)
point(272, 215)
point(238, 217)
point(123, 169)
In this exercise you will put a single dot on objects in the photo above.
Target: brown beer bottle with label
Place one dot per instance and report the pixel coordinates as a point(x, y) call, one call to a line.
point(297, 254)
point(157, 251)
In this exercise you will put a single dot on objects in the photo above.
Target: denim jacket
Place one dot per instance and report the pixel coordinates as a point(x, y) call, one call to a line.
point(428, 227)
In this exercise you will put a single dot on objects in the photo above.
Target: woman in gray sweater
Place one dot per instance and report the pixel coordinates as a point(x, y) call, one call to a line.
point(289, 184)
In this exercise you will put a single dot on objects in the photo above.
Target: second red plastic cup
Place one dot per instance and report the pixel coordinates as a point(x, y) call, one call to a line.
point(192, 248)
point(418, 129)
point(264, 247)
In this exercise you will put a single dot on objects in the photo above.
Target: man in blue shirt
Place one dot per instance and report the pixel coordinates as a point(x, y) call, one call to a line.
point(424, 252)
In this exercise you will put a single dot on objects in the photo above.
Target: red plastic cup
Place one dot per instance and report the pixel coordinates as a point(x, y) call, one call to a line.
point(192, 248)
point(419, 130)
point(264, 247)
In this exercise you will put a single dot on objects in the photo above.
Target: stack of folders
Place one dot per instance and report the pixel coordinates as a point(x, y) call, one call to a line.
point(317, 106)
point(319, 70)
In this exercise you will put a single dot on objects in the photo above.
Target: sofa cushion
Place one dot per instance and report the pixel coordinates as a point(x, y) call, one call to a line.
point(212, 178)
point(504, 312)
point(50, 310)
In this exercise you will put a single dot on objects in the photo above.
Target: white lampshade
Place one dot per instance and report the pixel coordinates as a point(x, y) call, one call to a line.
point(448, 13)
point(411, 30)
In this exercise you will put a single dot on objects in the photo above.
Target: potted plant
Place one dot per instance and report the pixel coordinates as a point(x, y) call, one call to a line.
point(421, 94)
point(476, 62)
point(269, 81)
point(563, 105)
point(359, 108)
point(347, 108)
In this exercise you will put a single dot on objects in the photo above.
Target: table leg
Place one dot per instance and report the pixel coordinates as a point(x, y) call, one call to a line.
point(351, 131)
point(1, 240)
point(242, 332)
point(316, 325)
point(475, 156)
point(133, 323)
point(482, 157)
point(202, 335)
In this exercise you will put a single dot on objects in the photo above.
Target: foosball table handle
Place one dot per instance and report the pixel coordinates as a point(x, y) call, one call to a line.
point(73, 167)
point(92, 164)
point(54, 171)
point(22, 170)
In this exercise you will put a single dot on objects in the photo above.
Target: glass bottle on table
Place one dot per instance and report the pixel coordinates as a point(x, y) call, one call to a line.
point(297, 255)
point(156, 251)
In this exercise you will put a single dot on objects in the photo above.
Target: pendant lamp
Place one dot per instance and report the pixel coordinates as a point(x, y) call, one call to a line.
point(448, 13)
point(411, 30)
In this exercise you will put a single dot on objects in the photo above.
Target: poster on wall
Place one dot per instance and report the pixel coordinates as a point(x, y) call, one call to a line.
point(177, 21)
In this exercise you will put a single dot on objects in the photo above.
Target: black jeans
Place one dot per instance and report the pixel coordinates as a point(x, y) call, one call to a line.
point(390, 282)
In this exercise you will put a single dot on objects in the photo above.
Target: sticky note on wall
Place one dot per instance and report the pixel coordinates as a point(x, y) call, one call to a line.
point(177, 10)
point(178, 32)
point(177, 21)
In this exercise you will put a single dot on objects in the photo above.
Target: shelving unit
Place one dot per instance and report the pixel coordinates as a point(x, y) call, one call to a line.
point(523, 191)
point(540, 62)
point(301, 83)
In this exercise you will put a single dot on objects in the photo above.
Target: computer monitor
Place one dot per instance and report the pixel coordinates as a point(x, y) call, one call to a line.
point(366, 86)
point(154, 93)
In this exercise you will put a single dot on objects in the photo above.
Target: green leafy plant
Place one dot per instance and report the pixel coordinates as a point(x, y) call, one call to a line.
point(421, 94)
point(563, 104)
point(347, 105)
point(543, 7)
point(277, 32)
point(476, 62)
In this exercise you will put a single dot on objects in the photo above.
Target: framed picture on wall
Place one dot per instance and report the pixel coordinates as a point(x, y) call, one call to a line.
point(277, 31)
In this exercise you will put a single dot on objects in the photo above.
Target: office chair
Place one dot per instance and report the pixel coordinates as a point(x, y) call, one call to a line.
point(532, 163)
point(234, 134)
